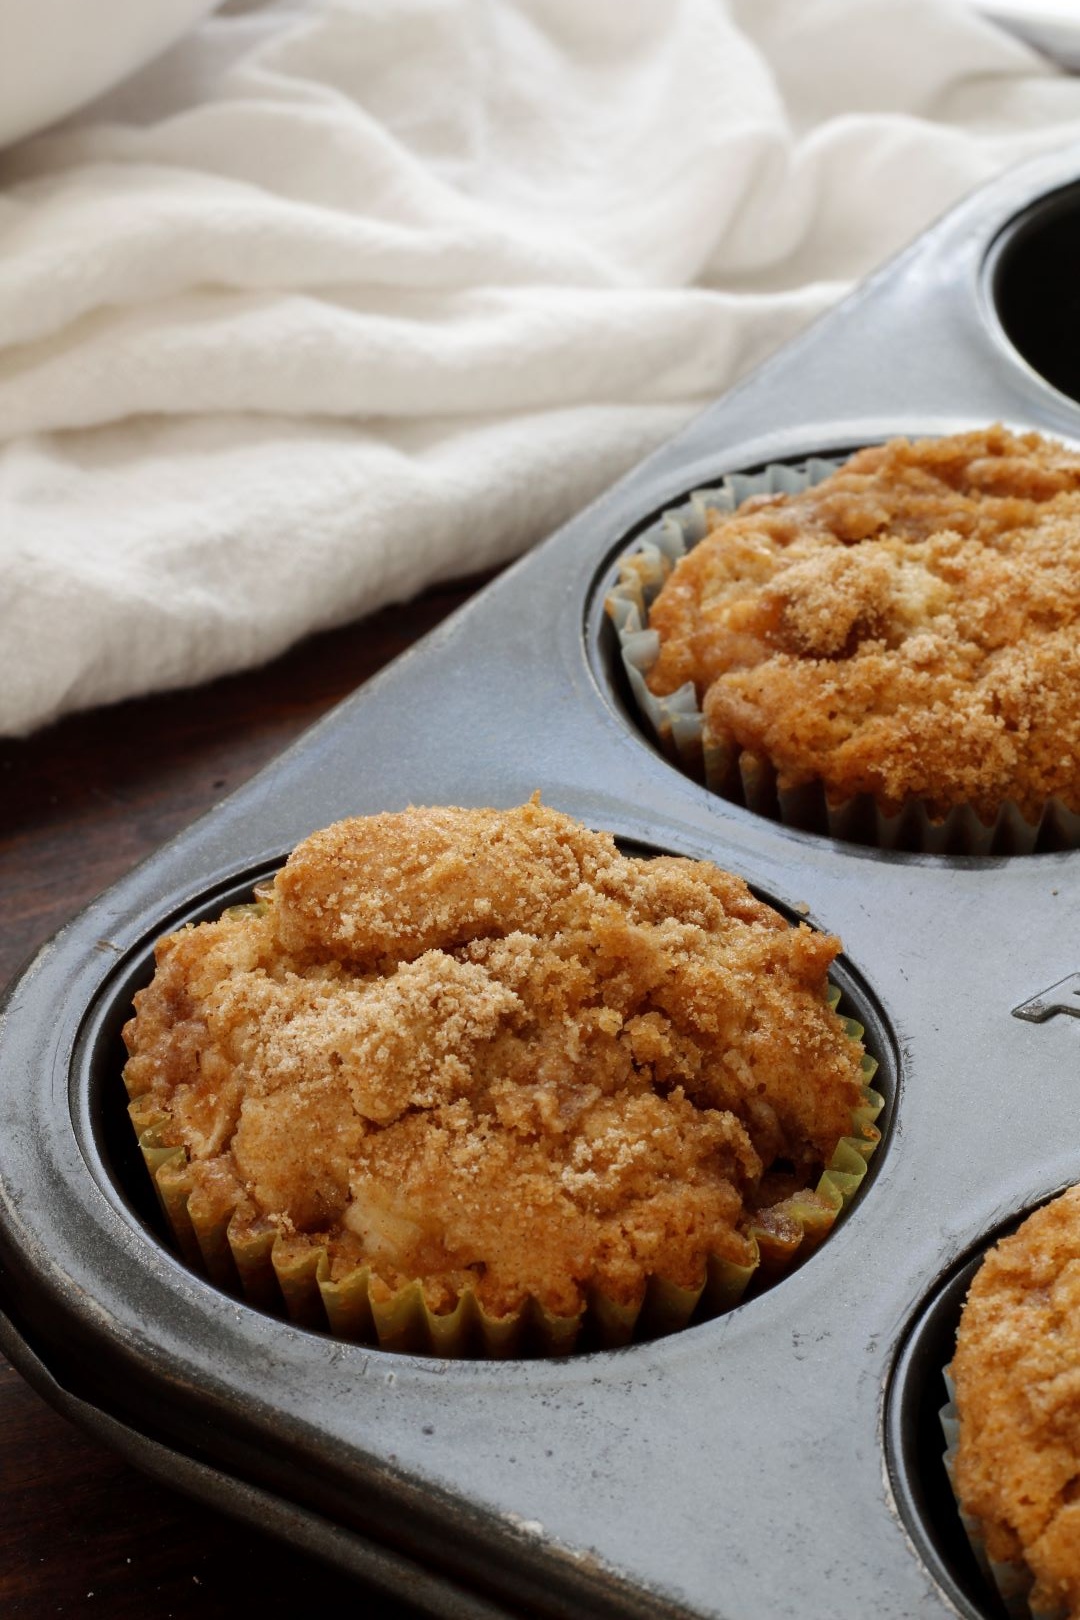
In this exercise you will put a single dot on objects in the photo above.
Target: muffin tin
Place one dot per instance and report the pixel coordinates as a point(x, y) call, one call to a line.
point(773, 1462)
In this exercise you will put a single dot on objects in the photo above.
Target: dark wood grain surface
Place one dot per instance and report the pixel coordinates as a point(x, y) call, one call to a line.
point(80, 1531)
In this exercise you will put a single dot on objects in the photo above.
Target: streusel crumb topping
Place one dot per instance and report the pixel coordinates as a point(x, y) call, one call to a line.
point(908, 628)
point(485, 1049)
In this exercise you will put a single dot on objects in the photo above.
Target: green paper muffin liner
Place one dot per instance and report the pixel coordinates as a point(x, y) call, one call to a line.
point(1013, 1581)
point(678, 724)
point(292, 1277)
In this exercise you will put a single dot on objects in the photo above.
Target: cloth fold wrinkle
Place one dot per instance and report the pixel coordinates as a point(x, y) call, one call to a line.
point(338, 299)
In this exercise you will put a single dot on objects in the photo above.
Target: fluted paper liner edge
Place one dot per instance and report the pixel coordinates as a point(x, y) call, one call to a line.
point(678, 724)
point(1013, 1581)
point(291, 1277)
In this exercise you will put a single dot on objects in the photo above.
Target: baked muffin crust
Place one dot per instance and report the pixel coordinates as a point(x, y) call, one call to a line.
point(908, 628)
point(1017, 1377)
point(486, 1050)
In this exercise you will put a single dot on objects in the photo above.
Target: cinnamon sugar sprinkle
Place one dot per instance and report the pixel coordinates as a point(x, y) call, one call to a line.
point(1017, 1377)
point(485, 1049)
point(908, 628)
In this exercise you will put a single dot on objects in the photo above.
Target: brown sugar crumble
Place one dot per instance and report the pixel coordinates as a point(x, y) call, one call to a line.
point(486, 1050)
point(1017, 1377)
point(908, 628)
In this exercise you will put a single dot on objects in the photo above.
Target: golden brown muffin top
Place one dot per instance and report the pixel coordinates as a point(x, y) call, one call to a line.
point(908, 628)
point(1017, 1377)
point(485, 1049)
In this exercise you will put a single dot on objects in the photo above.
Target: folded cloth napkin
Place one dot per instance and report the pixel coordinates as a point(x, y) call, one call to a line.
point(337, 299)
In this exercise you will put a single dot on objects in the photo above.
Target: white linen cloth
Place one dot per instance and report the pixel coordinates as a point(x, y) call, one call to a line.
point(338, 299)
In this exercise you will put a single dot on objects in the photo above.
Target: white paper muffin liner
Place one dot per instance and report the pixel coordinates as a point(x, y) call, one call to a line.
point(677, 722)
point(1012, 1581)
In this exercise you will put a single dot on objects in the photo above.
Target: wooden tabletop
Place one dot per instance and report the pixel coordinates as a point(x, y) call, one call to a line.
point(80, 1531)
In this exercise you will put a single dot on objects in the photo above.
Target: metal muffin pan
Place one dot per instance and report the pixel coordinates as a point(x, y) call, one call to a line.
point(759, 1465)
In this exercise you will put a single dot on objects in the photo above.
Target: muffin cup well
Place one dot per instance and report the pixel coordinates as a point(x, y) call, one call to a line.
point(293, 1277)
point(678, 724)
point(1012, 1581)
